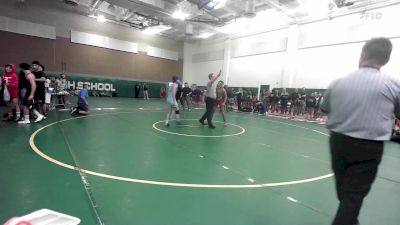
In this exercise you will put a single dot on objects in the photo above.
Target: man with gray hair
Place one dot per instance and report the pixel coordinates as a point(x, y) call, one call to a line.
point(358, 128)
point(211, 96)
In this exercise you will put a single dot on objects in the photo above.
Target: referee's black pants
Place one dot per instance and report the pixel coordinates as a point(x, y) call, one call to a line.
point(355, 164)
point(210, 107)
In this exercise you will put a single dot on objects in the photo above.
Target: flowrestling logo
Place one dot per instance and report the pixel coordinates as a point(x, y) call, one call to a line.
point(371, 15)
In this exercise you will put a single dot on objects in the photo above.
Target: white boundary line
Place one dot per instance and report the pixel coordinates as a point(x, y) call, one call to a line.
point(160, 183)
point(200, 136)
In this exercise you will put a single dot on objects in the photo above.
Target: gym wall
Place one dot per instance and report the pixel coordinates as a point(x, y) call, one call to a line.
point(62, 55)
point(324, 51)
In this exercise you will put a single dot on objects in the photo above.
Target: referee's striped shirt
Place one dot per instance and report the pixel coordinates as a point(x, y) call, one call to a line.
point(363, 104)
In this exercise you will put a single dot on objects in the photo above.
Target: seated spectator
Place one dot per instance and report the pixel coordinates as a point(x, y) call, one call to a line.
point(62, 89)
point(259, 108)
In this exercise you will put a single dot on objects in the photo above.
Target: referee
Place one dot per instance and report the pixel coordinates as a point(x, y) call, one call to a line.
point(211, 95)
point(359, 128)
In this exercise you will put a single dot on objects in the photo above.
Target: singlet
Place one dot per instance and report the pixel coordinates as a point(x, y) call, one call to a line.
point(170, 93)
point(221, 93)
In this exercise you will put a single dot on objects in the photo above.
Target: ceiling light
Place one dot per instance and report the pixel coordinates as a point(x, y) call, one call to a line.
point(180, 15)
point(101, 19)
point(156, 29)
point(205, 35)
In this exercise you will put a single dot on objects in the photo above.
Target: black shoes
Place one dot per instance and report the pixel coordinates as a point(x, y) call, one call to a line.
point(209, 125)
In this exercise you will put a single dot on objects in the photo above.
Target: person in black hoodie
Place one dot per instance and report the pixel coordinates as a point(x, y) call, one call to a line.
point(284, 101)
point(239, 96)
point(294, 101)
point(311, 102)
point(40, 78)
point(137, 90)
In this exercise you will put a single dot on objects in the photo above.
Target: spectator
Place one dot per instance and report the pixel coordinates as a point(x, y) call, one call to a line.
point(145, 91)
point(29, 100)
point(163, 92)
point(9, 81)
point(137, 90)
point(62, 89)
point(40, 78)
point(311, 102)
point(284, 101)
point(239, 96)
point(302, 102)
point(294, 103)
point(186, 92)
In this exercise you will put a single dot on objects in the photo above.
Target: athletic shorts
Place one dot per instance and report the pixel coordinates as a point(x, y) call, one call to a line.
point(26, 102)
point(220, 103)
point(40, 96)
point(13, 92)
point(171, 102)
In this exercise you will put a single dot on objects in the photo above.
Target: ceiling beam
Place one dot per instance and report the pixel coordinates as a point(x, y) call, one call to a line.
point(94, 6)
point(277, 6)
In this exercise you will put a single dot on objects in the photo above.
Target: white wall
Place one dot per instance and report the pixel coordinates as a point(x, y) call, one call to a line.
point(201, 60)
point(256, 70)
point(317, 67)
point(326, 50)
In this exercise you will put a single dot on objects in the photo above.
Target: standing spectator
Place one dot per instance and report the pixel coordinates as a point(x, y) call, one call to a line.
point(163, 92)
point(145, 91)
point(358, 130)
point(284, 101)
point(266, 100)
point(231, 99)
point(10, 82)
point(294, 103)
point(196, 94)
point(137, 90)
point(186, 92)
point(311, 102)
point(211, 95)
point(302, 102)
point(22, 82)
point(239, 96)
point(40, 78)
point(274, 99)
point(29, 100)
point(317, 112)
